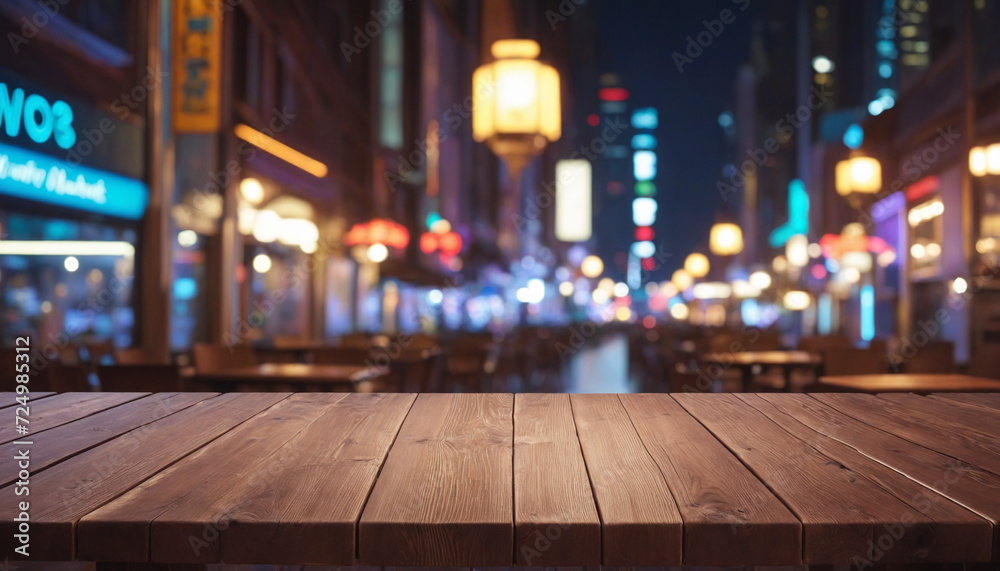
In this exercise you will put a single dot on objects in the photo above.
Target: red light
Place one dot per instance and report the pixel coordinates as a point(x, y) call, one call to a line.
point(616, 187)
point(644, 233)
point(648, 264)
point(819, 271)
point(649, 322)
point(593, 120)
point(921, 188)
point(612, 94)
point(428, 242)
point(450, 244)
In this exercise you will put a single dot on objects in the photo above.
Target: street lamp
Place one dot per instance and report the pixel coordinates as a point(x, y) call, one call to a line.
point(515, 103)
point(726, 239)
point(858, 174)
point(697, 265)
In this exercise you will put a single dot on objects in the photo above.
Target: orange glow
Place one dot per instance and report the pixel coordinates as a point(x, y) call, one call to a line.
point(378, 231)
point(280, 150)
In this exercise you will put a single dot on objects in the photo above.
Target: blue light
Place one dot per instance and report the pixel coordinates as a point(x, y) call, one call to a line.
point(885, 70)
point(645, 118)
point(867, 312)
point(824, 317)
point(34, 176)
point(644, 249)
point(750, 312)
point(644, 141)
point(886, 49)
point(798, 215)
point(854, 136)
point(185, 288)
point(875, 107)
point(644, 165)
point(725, 119)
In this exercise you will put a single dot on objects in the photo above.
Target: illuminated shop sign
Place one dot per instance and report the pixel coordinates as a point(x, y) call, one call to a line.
point(39, 119)
point(34, 176)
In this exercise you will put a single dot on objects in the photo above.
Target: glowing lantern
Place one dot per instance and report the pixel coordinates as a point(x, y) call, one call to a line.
point(726, 239)
point(515, 102)
point(697, 265)
point(858, 174)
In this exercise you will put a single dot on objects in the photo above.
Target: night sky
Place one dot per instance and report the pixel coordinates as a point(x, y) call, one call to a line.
point(639, 38)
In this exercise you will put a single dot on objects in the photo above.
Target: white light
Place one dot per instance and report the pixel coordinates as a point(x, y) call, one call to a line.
point(744, 289)
point(851, 275)
point(875, 107)
point(933, 250)
point(918, 251)
point(886, 258)
point(644, 165)
point(261, 263)
point(652, 288)
point(536, 288)
point(797, 300)
point(862, 261)
point(797, 251)
point(267, 226)
point(681, 279)
point(573, 200)
point(592, 266)
point(822, 64)
point(668, 289)
point(644, 211)
point(295, 231)
point(779, 264)
point(814, 250)
point(924, 212)
point(621, 289)
point(435, 296)
point(959, 286)
point(71, 264)
point(378, 253)
point(600, 296)
point(679, 311)
point(760, 279)
point(566, 289)
point(643, 249)
point(65, 248)
point(252, 190)
point(711, 290)
point(606, 284)
point(187, 238)
point(308, 247)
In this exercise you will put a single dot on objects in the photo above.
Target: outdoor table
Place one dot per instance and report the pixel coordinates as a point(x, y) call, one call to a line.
point(284, 374)
point(747, 360)
point(498, 479)
point(905, 383)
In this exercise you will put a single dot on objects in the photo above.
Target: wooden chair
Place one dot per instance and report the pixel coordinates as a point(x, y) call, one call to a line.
point(208, 358)
point(855, 362)
point(937, 357)
point(143, 378)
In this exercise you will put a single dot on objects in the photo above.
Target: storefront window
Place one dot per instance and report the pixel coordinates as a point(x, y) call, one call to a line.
point(988, 243)
point(66, 281)
point(925, 238)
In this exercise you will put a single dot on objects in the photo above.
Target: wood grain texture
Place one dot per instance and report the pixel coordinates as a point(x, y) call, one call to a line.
point(555, 519)
point(969, 485)
point(445, 494)
point(840, 509)
point(984, 400)
point(7, 398)
point(302, 504)
point(952, 533)
point(69, 490)
point(973, 444)
point(63, 408)
point(904, 383)
point(730, 517)
point(121, 530)
point(57, 444)
point(640, 522)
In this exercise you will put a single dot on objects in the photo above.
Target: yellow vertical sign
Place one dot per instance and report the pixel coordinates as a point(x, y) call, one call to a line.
point(197, 66)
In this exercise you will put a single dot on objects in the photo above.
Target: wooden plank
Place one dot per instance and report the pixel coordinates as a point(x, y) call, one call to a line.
point(966, 484)
point(7, 398)
point(67, 491)
point(63, 408)
point(640, 522)
point(953, 534)
point(841, 510)
point(300, 506)
point(555, 519)
point(121, 530)
point(57, 444)
point(730, 517)
point(931, 430)
point(985, 400)
point(445, 495)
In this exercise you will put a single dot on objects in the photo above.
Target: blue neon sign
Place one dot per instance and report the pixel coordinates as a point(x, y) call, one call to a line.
point(40, 119)
point(34, 176)
point(798, 215)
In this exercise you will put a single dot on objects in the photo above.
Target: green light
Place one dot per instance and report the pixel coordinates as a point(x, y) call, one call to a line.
point(645, 188)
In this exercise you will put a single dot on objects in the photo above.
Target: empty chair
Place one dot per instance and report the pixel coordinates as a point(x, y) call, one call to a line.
point(855, 362)
point(820, 343)
point(209, 358)
point(352, 355)
point(934, 357)
point(140, 378)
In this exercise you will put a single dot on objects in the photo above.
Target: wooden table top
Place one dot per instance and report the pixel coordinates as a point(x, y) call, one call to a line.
point(776, 358)
point(295, 373)
point(904, 383)
point(499, 479)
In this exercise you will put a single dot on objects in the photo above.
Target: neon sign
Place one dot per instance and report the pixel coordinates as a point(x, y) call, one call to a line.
point(40, 119)
point(34, 176)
